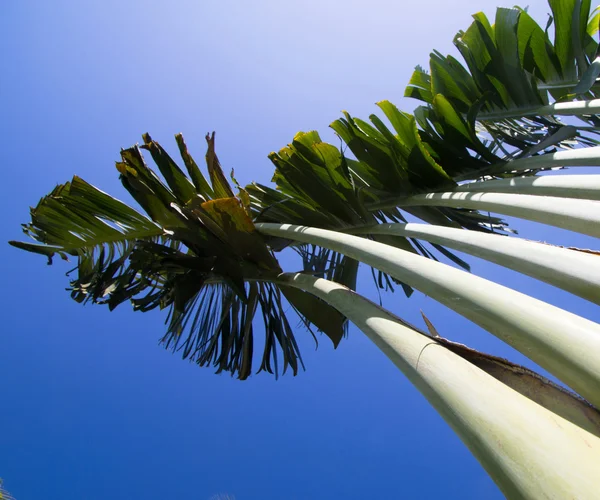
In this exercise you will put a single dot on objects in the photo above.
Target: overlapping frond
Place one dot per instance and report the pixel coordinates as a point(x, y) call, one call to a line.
point(197, 254)
point(512, 66)
point(319, 186)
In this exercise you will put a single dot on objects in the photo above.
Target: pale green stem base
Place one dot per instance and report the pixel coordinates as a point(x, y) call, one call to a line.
point(563, 343)
point(530, 452)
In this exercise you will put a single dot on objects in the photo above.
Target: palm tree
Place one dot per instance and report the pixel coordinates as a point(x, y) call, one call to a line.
point(481, 142)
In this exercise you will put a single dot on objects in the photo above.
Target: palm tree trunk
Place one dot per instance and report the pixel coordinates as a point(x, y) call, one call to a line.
point(582, 216)
point(565, 344)
point(585, 157)
point(575, 271)
point(530, 451)
point(563, 186)
point(575, 108)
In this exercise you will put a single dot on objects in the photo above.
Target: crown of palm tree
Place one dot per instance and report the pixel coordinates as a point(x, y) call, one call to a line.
point(198, 253)
point(478, 144)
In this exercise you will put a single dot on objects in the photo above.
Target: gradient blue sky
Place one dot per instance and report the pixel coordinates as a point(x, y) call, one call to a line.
point(90, 406)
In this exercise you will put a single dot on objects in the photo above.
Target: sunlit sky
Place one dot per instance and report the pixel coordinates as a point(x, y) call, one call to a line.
point(90, 406)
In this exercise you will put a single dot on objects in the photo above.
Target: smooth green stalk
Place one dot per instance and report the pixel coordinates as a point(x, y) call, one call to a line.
point(582, 216)
point(584, 157)
point(574, 108)
point(528, 450)
point(566, 345)
point(576, 272)
point(585, 187)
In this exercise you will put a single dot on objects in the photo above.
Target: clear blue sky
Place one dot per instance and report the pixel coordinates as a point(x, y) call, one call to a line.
point(90, 406)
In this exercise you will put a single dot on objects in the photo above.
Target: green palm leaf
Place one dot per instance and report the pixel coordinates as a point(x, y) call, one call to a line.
point(200, 258)
point(78, 219)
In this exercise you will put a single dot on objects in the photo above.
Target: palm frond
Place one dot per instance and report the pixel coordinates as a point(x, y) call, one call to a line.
point(79, 220)
point(318, 185)
point(198, 257)
point(512, 66)
point(216, 328)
